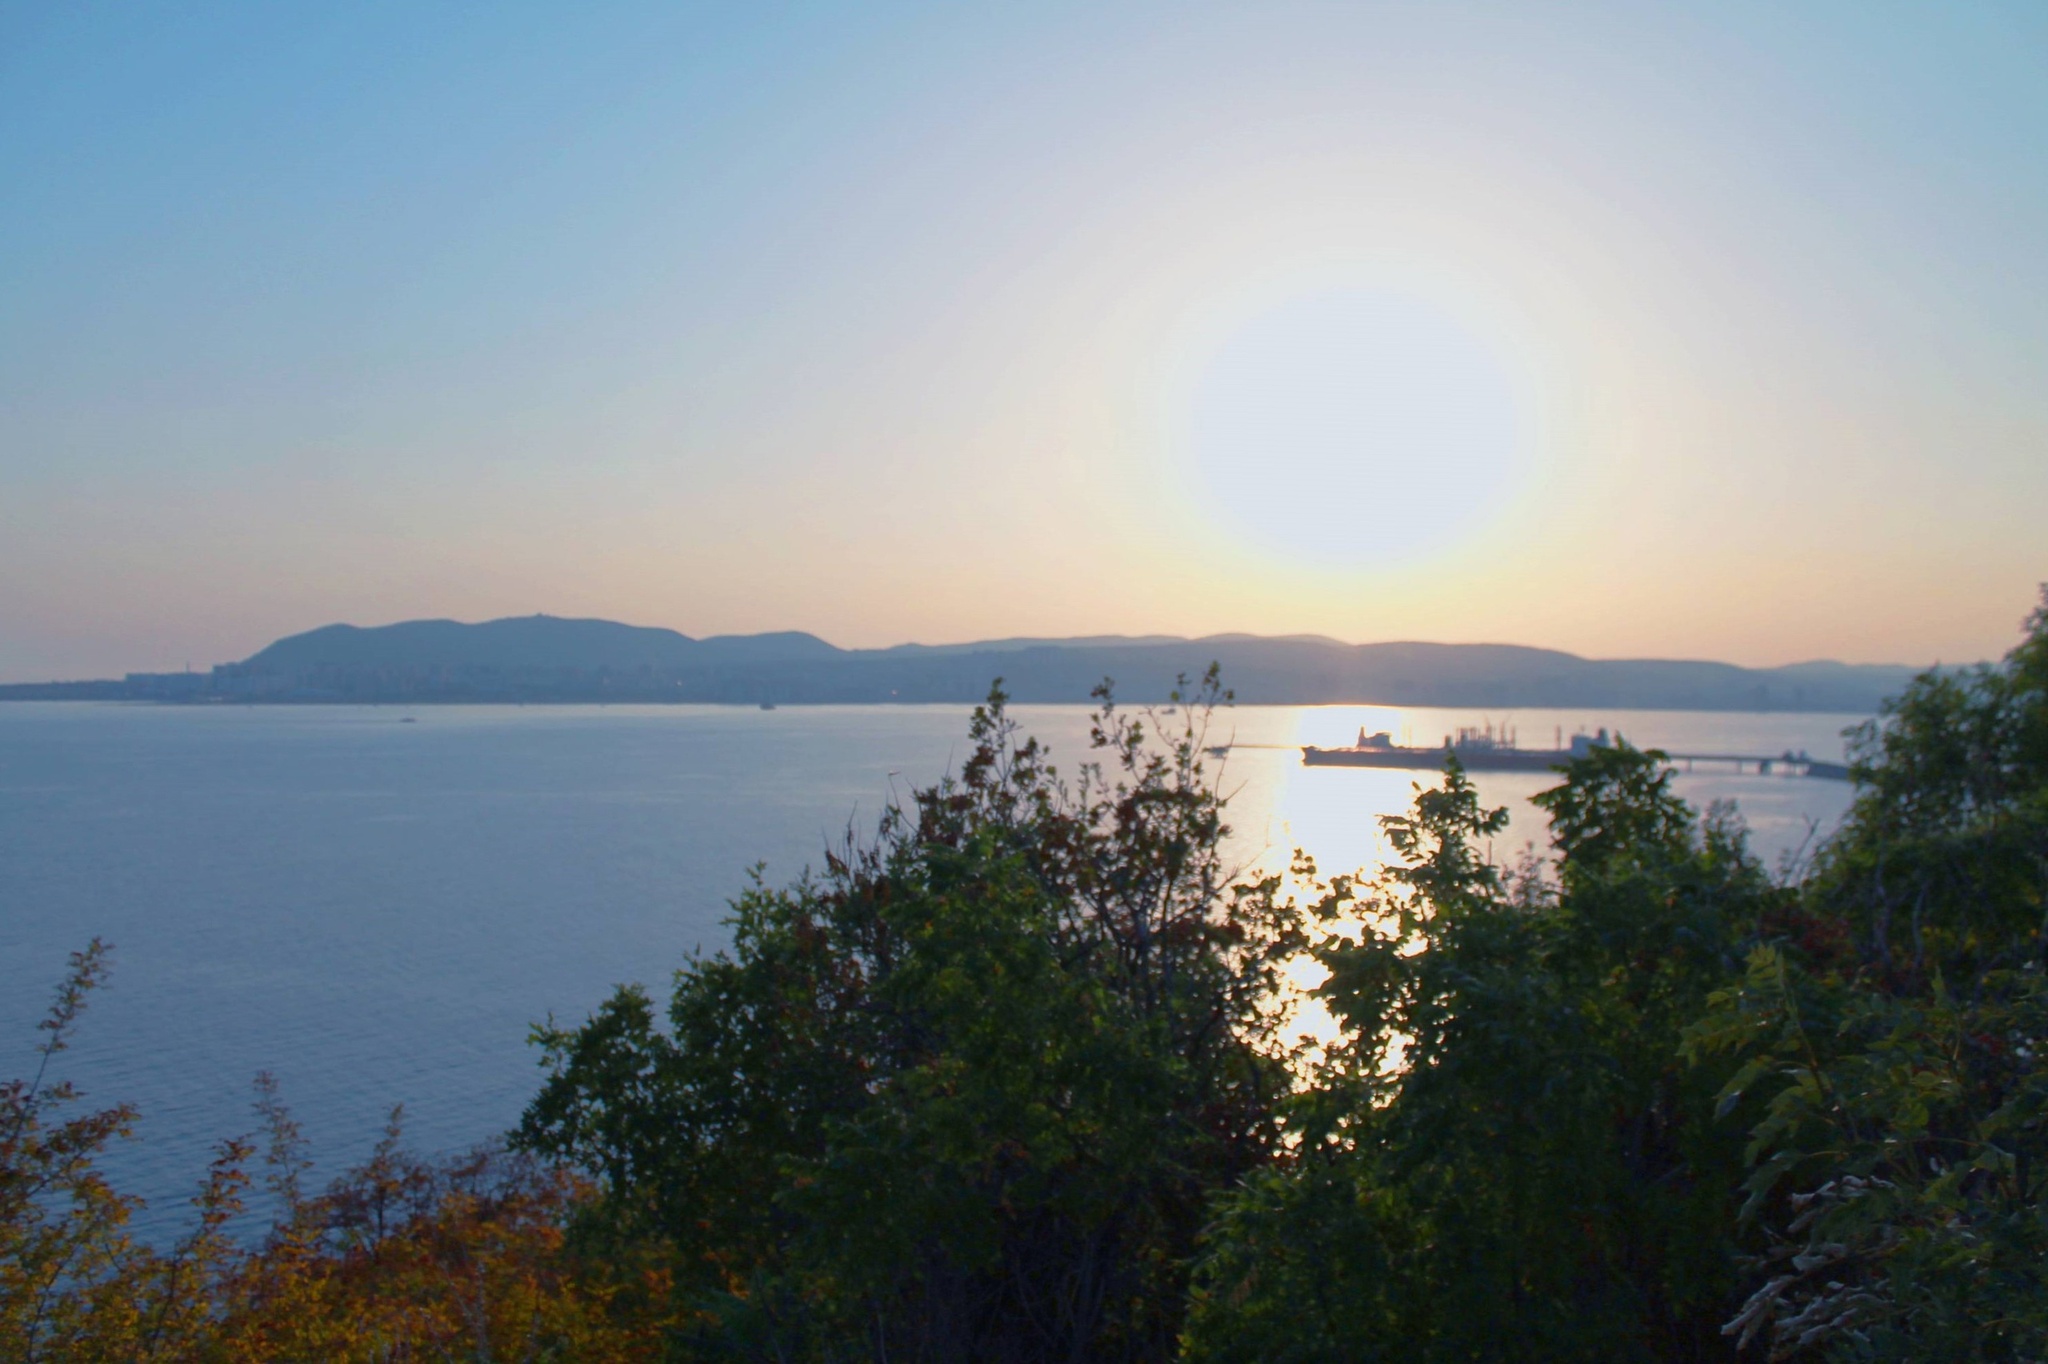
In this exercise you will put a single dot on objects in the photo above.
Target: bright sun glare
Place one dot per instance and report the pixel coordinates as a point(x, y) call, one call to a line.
point(1352, 428)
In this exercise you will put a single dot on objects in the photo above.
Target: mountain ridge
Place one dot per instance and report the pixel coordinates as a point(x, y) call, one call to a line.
point(569, 659)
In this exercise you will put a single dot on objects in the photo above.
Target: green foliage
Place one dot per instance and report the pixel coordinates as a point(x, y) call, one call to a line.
point(1504, 1155)
point(1657, 1107)
point(1529, 1142)
point(1895, 1032)
point(967, 1093)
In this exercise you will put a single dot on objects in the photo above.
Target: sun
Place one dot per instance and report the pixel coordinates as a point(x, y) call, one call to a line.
point(1351, 428)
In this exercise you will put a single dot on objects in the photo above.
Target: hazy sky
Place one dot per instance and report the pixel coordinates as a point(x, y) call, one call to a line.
point(1716, 330)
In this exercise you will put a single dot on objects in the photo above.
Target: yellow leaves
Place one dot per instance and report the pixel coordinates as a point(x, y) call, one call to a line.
point(476, 1271)
point(399, 1260)
point(480, 1272)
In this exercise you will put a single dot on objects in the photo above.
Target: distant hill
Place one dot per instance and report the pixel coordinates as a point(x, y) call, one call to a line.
point(1016, 645)
point(548, 658)
point(521, 642)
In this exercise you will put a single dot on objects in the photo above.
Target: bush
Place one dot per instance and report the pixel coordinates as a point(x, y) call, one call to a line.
point(399, 1259)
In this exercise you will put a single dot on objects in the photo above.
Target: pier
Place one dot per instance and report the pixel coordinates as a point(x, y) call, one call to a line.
point(1495, 757)
point(1788, 763)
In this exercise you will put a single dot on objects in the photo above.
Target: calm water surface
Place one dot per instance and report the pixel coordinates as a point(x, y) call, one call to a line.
point(376, 910)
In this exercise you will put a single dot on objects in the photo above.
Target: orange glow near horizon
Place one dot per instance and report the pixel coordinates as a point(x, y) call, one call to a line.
point(1377, 324)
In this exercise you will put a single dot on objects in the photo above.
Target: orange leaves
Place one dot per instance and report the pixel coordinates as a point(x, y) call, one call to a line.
point(399, 1260)
point(405, 1260)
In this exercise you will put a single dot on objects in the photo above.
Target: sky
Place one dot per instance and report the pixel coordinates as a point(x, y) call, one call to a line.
point(1709, 330)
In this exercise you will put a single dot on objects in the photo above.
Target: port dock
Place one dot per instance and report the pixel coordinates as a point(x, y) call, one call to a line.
point(1487, 750)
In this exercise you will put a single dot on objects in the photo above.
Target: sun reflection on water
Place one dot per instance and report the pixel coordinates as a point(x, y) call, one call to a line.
point(1334, 814)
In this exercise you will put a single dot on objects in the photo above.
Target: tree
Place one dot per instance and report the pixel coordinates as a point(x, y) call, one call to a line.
point(1505, 1155)
point(1895, 1041)
point(967, 1093)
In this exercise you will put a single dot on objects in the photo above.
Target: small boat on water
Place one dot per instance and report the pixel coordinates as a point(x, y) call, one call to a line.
point(1480, 749)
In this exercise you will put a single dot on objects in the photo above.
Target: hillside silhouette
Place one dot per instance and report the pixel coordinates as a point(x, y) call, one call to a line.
point(542, 659)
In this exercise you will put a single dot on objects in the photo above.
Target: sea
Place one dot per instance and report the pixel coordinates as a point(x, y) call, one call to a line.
point(376, 904)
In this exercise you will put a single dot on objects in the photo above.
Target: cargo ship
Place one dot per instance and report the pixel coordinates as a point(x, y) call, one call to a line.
point(1480, 749)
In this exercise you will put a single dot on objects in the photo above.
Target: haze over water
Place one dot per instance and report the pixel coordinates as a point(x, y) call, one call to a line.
point(377, 910)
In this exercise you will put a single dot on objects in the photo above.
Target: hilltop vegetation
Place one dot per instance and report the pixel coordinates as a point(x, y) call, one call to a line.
point(1012, 1081)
